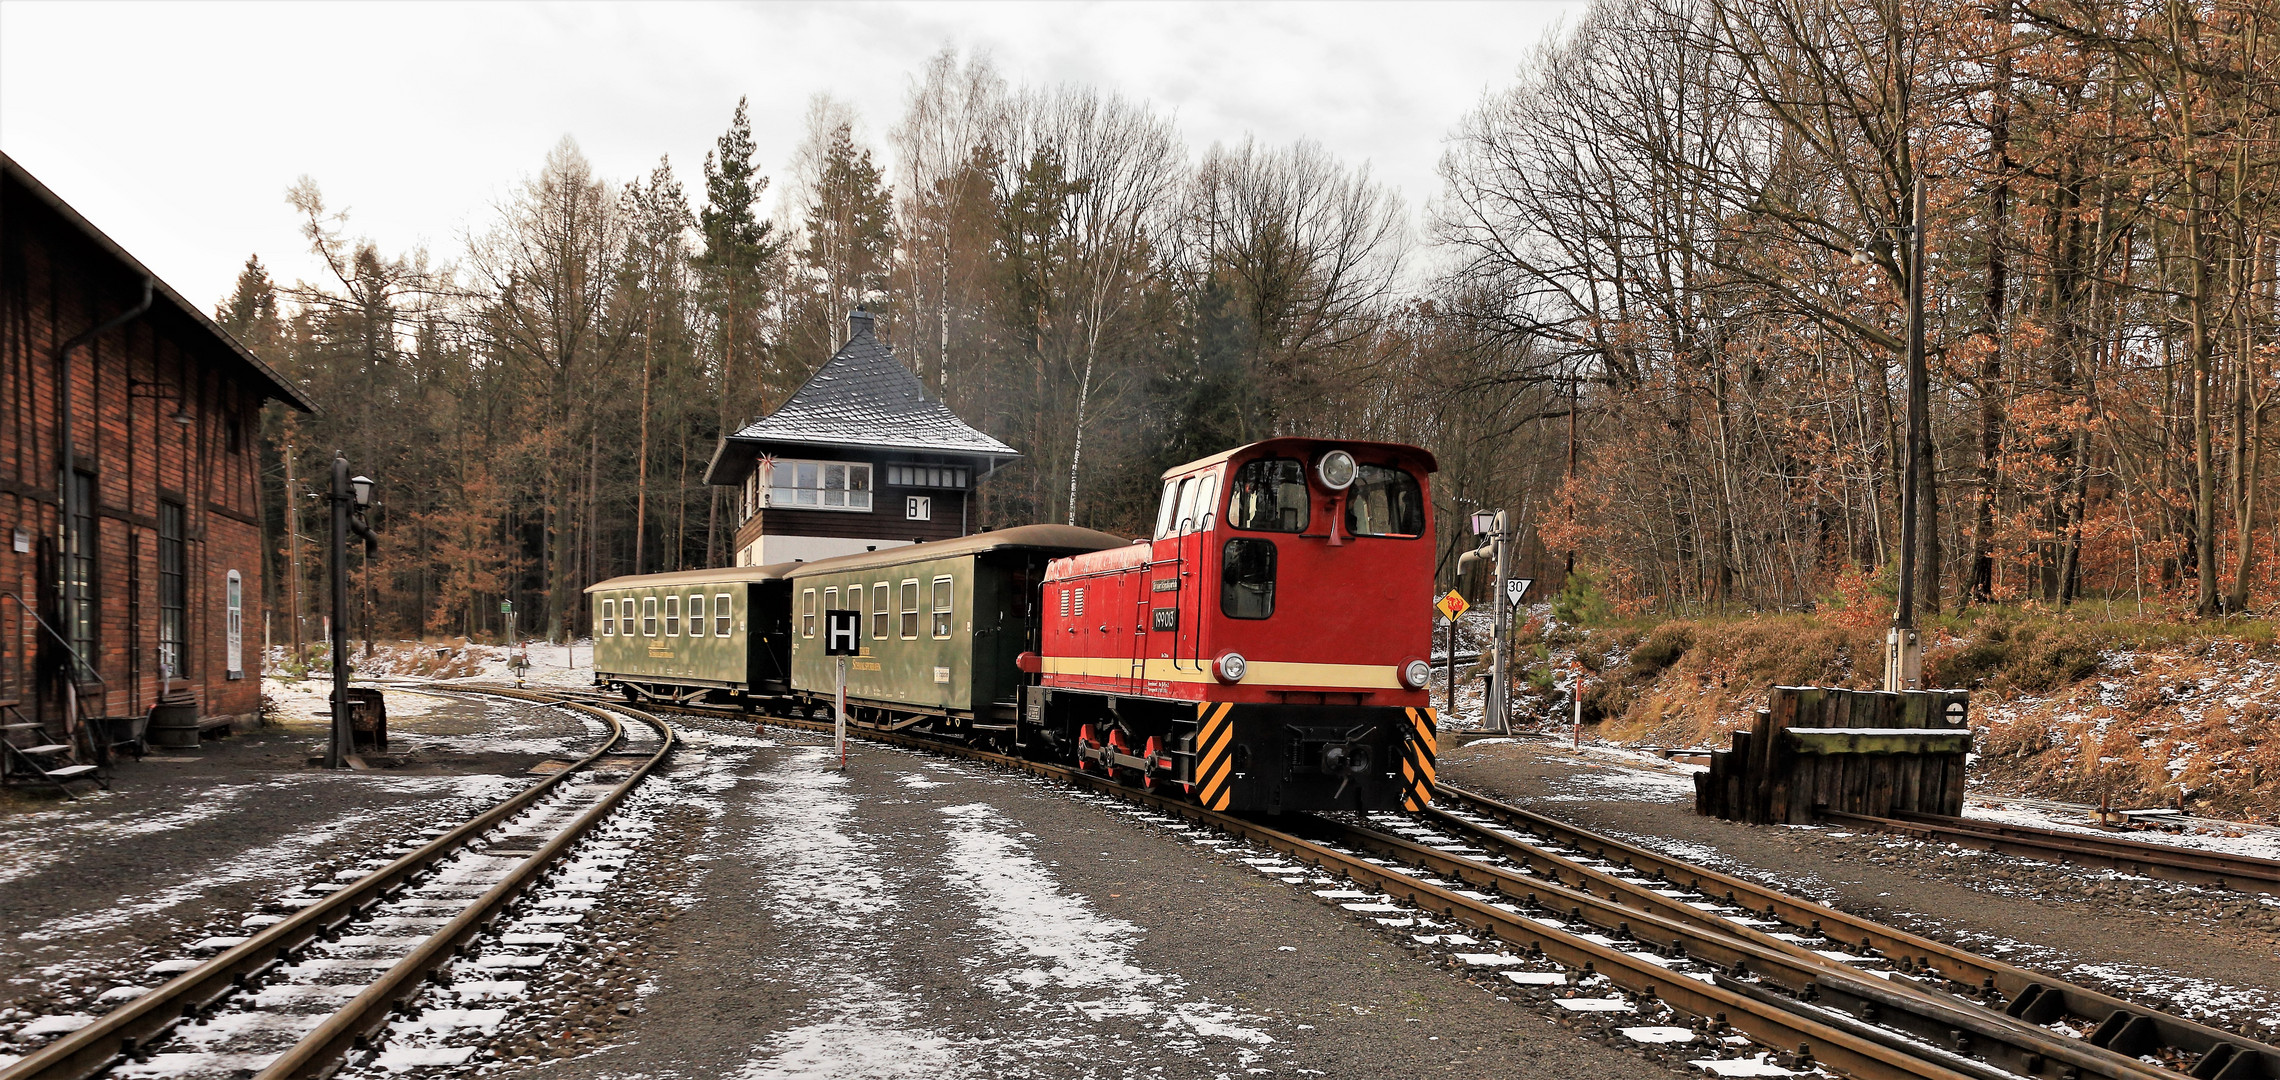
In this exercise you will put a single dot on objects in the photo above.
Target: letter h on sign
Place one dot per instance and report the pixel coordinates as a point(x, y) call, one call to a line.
point(840, 637)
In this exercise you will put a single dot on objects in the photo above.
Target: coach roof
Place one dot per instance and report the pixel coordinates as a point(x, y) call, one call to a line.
point(1057, 539)
point(721, 576)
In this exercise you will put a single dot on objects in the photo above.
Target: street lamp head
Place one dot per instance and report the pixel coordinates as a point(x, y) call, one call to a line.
point(1483, 522)
point(182, 416)
point(362, 485)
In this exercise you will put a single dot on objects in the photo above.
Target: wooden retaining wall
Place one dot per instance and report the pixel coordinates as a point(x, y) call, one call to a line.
point(1857, 751)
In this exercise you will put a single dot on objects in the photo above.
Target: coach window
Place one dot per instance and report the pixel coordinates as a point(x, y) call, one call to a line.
point(941, 607)
point(672, 616)
point(697, 615)
point(831, 599)
point(879, 610)
point(1164, 510)
point(807, 613)
point(1247, 579)
point(609, 618)
point(648, 616)
point(1269, 495)
point(909, 610)
point(1385, 502)
point(721, 615)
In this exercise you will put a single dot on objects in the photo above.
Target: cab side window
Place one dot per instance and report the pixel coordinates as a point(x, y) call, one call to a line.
point(1247, 578)
point(1269, 495)
point(1165, 509)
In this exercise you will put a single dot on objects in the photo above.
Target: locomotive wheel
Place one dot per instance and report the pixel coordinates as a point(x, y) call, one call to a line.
point(1119, 773)
point(1154, 751)
point(1086, 739)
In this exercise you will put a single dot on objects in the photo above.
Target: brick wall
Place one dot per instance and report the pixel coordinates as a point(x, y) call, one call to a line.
point(126, 387)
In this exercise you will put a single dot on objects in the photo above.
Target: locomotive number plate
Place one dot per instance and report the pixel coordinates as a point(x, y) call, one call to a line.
point(1165, 584)
point(1164, 618)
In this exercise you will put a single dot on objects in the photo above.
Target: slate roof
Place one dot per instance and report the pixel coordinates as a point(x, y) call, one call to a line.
point(862, 398)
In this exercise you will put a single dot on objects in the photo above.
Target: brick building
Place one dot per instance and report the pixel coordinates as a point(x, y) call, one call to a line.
point(859, 459)
point(162, 552)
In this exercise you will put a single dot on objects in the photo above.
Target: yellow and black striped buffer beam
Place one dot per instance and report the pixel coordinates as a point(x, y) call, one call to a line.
point(1215, 754)
point(1417, 764)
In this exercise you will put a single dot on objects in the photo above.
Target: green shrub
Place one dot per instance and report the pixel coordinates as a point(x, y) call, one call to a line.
point(1579, 602)
point(1664, 645)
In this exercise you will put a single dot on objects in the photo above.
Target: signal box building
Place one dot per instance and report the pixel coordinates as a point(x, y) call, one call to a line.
point(160, 554)
point(860, 459)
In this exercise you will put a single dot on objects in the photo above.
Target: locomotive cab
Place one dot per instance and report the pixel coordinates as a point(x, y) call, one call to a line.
point(1266, 647)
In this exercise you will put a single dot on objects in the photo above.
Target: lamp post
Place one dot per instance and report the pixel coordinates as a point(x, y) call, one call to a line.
point(350, 497)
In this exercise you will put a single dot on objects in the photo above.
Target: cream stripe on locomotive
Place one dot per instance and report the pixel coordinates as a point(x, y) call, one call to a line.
point(1214, 765)
point(1261, 672)
point(1418, 751)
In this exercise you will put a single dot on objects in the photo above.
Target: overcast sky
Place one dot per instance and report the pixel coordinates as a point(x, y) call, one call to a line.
point(177, 127)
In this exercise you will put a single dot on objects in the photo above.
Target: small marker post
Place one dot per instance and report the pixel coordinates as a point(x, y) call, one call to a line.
point(841, 639)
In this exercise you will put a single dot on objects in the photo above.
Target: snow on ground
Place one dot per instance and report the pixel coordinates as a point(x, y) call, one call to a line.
point(1061, 948)
point(823, 877)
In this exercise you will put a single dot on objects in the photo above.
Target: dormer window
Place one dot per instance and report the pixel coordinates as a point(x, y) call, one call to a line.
point(819, 485)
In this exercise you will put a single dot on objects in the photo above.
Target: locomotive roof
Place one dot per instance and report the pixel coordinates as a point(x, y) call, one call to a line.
point(719, 575)
point(1059, 539)
point(863, 398)
point(1300, 444)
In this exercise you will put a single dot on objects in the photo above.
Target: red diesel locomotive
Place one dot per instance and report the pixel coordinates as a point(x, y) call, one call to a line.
point(1267, 648)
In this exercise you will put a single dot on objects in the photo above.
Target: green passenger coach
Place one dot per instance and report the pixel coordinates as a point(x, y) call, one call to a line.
point(941, 624)
point(695, 633)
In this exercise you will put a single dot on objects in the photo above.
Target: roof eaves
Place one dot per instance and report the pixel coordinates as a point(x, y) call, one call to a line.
point(283, 389)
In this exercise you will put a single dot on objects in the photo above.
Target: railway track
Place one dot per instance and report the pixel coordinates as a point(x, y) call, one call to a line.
point(1808, 981)
point(297, 997)
point(2168, 861)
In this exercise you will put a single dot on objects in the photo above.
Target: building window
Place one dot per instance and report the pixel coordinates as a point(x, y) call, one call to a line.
point(672, 616)
point(941, 607)
point(648, 616)
point(233, 626)
point(609, 618)
point(819, 485)
point(721, 613)
point(697, 615)
point(173, 612)
point(807, 613)
point(926, 476)
point(79, 570)
point(879, 610)
point(910, 608)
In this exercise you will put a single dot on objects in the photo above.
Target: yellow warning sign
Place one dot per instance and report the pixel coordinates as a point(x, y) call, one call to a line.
point(1451, 606)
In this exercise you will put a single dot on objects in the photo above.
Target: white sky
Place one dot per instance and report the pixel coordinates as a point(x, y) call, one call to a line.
point(176, 128)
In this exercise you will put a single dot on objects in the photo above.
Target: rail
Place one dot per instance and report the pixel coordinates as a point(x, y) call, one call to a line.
point(147, 1020)
point(2167, 861)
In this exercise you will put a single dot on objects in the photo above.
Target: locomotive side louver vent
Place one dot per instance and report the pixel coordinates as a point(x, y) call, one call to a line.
point(1064, 602)
point(1080, 603)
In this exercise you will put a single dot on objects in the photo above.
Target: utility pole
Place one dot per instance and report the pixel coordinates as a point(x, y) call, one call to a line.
point(1903, 649)
point(293, 552)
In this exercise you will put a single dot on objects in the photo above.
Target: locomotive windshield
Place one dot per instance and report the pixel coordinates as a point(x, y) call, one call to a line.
point(1385, 502)
point(1269, 495)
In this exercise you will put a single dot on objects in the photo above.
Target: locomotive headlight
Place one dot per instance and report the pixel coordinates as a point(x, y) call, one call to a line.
point(1415, 674)
point(1336, 470)
point(1229, 667)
